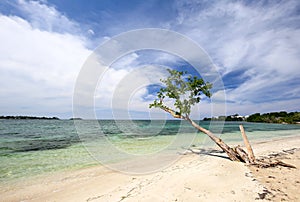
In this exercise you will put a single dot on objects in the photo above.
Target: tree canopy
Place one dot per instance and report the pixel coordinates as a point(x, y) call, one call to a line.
point(184, 89)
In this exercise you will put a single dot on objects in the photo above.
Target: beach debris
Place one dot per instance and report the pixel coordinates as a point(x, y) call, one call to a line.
point(263, 163)
point(262, 195)
point(272, 160)
point(242, 154)
point(290, 151)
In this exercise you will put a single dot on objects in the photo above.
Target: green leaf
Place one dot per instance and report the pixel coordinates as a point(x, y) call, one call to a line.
point(178, 85)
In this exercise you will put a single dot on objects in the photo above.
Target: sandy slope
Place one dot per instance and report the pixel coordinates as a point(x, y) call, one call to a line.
point(282, 183)
point(192, 178)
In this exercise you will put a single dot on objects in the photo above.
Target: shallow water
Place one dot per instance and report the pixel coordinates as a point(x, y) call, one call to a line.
point(34, 147)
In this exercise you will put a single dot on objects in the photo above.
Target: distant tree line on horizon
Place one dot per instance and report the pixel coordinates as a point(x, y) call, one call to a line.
point(28, 117)
point(272, 117)
point(235, 117)
point(275, 117)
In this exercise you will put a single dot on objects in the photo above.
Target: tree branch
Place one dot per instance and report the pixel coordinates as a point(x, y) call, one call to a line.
point(174, 113)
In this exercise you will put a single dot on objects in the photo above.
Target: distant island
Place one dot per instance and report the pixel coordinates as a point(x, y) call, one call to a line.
point(75, 119)
point(272, 117)
point(28, 117)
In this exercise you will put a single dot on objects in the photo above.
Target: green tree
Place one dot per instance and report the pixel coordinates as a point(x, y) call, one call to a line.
point(275, 117)
point(186, 90)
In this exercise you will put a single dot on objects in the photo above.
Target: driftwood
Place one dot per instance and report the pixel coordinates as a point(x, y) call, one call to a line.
point(242, 154)
point(271, 163)
point(260, 162)
point(248, 146)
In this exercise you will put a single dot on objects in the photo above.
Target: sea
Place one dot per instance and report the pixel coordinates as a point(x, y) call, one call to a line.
point(30, 148)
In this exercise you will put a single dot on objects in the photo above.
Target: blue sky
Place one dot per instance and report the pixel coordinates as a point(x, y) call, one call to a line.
point(253, 44)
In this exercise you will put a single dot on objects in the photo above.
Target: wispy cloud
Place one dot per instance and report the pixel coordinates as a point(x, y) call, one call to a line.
point(38, 66)
point(260, 38)
point(44, 17)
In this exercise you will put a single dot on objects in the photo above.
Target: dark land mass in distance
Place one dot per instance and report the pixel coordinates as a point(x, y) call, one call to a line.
point(281, 117)
point(29, 117)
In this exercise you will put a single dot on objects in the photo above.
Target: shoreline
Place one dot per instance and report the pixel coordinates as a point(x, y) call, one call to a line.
point(193, 177)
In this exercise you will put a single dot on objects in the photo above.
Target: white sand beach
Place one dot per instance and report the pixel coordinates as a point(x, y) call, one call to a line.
point(204, 177)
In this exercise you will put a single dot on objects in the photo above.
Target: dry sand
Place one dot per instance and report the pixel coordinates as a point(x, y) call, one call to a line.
point(282, 183)
point(204, 177)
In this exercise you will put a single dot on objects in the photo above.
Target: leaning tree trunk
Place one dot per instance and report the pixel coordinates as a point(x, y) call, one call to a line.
point(233, 155)
point(236, 154)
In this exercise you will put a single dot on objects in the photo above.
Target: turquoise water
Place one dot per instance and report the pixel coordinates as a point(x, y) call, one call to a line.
point(34, 147)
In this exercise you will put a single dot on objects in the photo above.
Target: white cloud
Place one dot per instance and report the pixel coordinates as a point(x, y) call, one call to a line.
point(125, 90)
point(38, 68)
